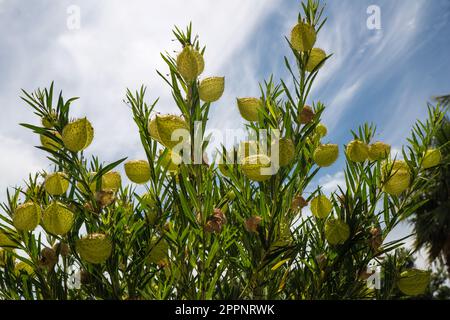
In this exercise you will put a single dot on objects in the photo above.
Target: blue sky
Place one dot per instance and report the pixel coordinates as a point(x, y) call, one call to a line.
point(382, 76)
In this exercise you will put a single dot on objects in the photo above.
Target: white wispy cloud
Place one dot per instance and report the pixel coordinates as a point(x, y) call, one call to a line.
point(117, 46)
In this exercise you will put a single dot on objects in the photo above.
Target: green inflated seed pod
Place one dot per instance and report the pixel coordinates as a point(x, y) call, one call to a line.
point(167, 126)
point(336, 231)
point(414, 282)
point(27, 216)
point(94, 248)
point(138, 171)
point(253, 166)
point(326, 154)
point(321, 206)
point(432, 158)
point(316, 58)
point(56, 183)
point(357, 151)
point(78, 135)
point(211, 89)
point(303, 37)
point(248, 108)
point(379, 151)
point(57, 219)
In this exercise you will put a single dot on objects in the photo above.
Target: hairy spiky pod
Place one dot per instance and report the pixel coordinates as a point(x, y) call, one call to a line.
point(105, 197)
point(321, 206)
point(159, 251)
point(321, 130)
point(49, 120)
point(252, 224)
point(49, 143)
point(326, 154)
point(248, 108)
point(62, 248)
point(211, 89)
point(48, 259)
point(190, 64)
point(298, 203)
point(56, 183)
point(253, 166)
point(78, 135)
point(306, 115)
point(376, 239)
point(399, 178)
point(57, 219)
point(379, 151)
point(27, 216)
point(216, 222)
point(336, 231)
point(166, 126)
point(316, 58)
point(138, 171)
point(111, 181)
point(357, 151)
point(6, 240)
point(303, 37)
point(414, 282)
point(286, 152)
point(94, 248)
point(170, 161)
point(432, 158)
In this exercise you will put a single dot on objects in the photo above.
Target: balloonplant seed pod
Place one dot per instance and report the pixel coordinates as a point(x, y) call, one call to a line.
point(138, 171)
point(27, 216)
point(23, 268)
point(321, 206)
point(303, 37)
point(376, 239)
point(336, 231)
point(431, 158)
point(286, 151)
point(57, 219)
point(211, 89)
point(49, 143)
point(49, 120)
point(321, 130)
point(253, 167)
point(62, 248)
point(190, 64)
point(111, 181)
point(78, 135)
point(321, 260)
point(94, 248)
point(316, 58)
point(48, 259)
point(167, 126)
point(252, 224)
point(216, 222)
point(56, 183)
point(398, 180)
point(379, 151)
point(170, 161)
point(159, 250)
point(105, 197)
point(6, 240)
point(153, 130)
point(357, 151)
point(326, 154)
point(298, 203)
point(414, 282)
point(248, 108)
point(306, 115)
